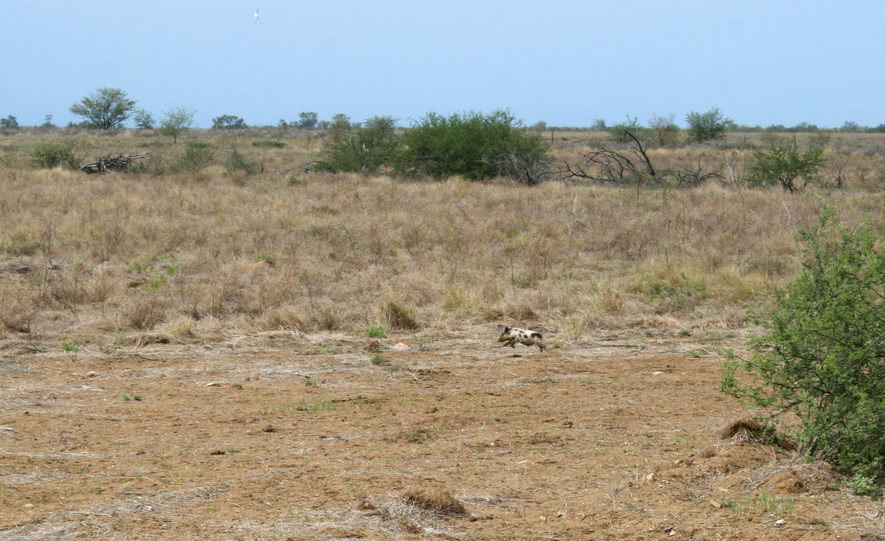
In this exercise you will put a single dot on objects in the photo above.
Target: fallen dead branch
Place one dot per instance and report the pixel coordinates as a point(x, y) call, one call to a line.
point(110, 163)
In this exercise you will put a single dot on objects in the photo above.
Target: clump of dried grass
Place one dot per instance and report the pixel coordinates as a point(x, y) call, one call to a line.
point(424, 511)
point(748, 430)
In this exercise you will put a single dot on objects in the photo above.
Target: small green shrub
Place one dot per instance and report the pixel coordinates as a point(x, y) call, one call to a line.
point(783, 163)
point(822, 353)
point(50, 154)
point(269, 143)
point(376, 331)
point(238, 162)
point(197, 156)
point(709, 126)
point(619, 132)
point(71, 346)
point(361, 149)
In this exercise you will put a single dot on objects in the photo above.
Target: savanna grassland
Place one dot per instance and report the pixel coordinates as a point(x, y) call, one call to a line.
point(254, 350)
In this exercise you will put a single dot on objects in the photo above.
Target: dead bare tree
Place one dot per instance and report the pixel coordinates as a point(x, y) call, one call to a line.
point(110, 163)
point(631, 166)
point(614, 166)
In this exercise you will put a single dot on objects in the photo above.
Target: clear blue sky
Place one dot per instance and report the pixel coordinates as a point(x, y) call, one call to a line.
point(561, 61)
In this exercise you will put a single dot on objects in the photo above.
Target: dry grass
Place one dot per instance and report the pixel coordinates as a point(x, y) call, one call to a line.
point(203, 254)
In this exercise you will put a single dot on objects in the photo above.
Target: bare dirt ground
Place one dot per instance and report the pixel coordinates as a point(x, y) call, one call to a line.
point(328, 436)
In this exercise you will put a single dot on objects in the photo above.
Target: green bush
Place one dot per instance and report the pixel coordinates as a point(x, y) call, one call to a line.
point(822, 353)
point(197, 156)
point(239, 162)
point(709, 126)
point(474, 146)
point(269, 143)
point(663, 131)
point(49, 155)
point(783, 163)
point(619, 132)
point(365, 148)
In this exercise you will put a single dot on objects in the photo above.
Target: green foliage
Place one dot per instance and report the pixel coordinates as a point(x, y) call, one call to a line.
point(709, 126)
point(619, 132)
point(363, 148)
point(71, 346)
point(474, 146)
point(238, 162)
point(822, 353)
point(197, 156)
point(177, 121)
point(105, 109)
point(306, 121)
point(49, 154)
point(144, 120)
point(269, 143)
point(663, 131)
point(783, 163)
point(8, 123)
point(228, 122)
point(376, 331)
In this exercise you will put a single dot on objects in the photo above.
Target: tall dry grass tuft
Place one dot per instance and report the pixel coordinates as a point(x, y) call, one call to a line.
point(284, 249)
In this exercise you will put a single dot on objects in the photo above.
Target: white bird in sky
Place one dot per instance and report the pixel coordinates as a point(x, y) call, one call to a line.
point(257, 14)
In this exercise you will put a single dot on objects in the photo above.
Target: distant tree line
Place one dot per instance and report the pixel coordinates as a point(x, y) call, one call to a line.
point(477, 146)
point(110, 108)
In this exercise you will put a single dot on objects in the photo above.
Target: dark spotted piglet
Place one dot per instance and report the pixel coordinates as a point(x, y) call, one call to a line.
point(512, 335)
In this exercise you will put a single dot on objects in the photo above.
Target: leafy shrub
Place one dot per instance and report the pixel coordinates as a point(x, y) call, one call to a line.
point(663, 131)
point(238, 162)
point(49, 155)
point(197, 156)
point(709, 126)
point(783, 163)
point(474, 146)
point(376, 331)
point(822, 354)
point(625, 132)
point(366, 148)
point(268, 143)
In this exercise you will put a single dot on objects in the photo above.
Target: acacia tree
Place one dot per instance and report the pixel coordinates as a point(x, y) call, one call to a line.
point(144, 120)
point(708, 126)
point(105, 109)
point(307, 120)
point(228, 122)
point(176, 121)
